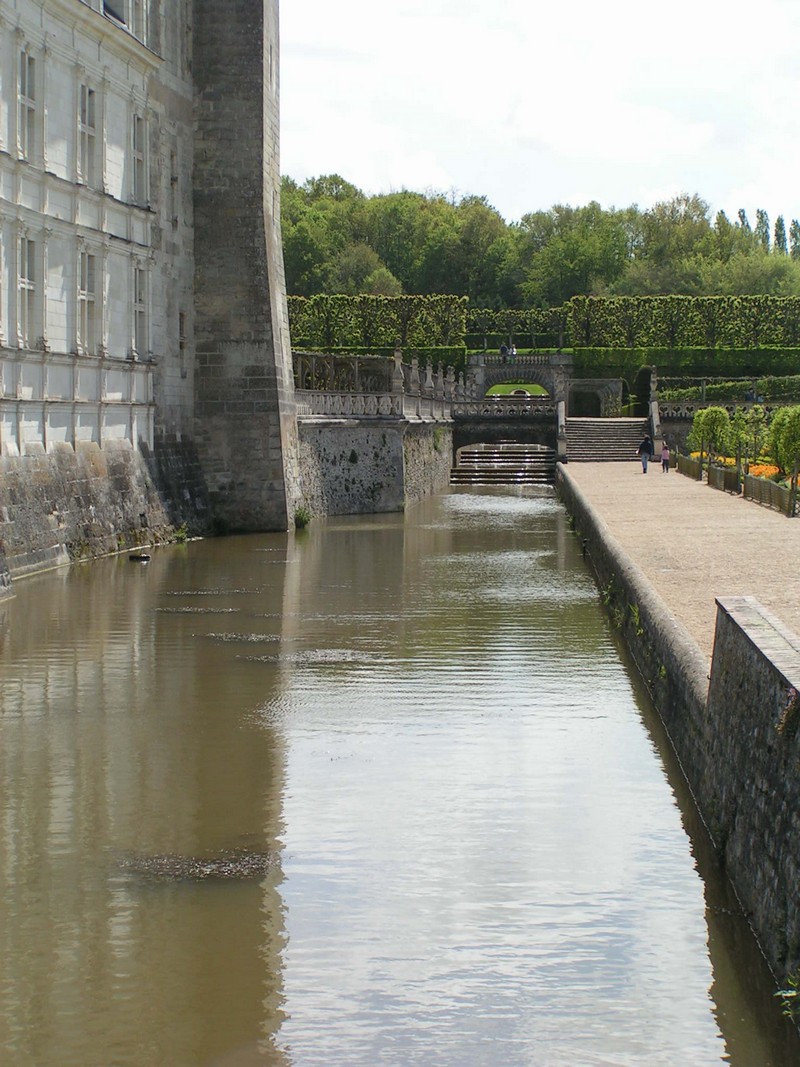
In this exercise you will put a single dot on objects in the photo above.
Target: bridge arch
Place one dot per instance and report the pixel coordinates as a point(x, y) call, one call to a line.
point(512, 373)
point(553, 371)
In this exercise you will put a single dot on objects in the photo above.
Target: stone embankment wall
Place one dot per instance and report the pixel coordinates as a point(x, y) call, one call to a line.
point(70, 505)
point(737, 739)
point(351, 467)
point(751, 787)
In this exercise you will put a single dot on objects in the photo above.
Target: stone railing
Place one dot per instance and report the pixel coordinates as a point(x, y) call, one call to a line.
point(374, 387)
point(529, 359)
point(686, 409)
point(316, 371)
point(506, 407)
point(349, 405)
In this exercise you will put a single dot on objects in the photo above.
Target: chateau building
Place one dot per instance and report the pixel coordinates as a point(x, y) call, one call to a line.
point(141, 277)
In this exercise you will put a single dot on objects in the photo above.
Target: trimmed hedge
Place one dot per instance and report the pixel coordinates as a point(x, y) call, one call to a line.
point(370, 322)
point(684, 322)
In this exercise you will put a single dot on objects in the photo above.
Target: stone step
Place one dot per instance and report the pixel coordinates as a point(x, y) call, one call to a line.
point(604, 440)
point(505, 464)
point(462, 477)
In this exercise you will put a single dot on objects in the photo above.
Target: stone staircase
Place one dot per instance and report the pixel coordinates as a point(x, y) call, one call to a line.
point(504, 464)
point(604, 440)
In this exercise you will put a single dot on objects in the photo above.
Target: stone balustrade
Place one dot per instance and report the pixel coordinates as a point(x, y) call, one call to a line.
point(506, 407)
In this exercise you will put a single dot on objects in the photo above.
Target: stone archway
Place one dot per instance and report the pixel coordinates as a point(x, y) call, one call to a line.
point(553, 371)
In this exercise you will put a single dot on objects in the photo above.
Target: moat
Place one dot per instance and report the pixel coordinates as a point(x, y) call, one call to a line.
point(382, 791)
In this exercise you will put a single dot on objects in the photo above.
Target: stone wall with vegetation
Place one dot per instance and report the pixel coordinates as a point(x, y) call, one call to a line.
point(351, 467)
point(736, 741)
point(70, 505)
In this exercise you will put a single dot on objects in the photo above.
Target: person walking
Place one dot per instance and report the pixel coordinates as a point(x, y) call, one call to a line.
point(645, 451)
point(665, 457)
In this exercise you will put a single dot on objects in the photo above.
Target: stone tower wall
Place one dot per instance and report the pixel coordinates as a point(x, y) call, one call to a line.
point(245, 427)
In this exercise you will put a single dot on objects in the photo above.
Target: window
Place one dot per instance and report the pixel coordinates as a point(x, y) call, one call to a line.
point(87, 304)
point(137, 18)
point(87, 137)
point(138, 146)
point(140, 344)
point(26, 328)
point(26, 133)
point(129, 13)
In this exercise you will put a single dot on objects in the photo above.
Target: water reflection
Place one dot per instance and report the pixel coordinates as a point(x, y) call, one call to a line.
point(125, 733)
point(426, 725)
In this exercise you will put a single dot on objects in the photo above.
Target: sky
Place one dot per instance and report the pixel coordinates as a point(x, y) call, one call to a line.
point(532, 104)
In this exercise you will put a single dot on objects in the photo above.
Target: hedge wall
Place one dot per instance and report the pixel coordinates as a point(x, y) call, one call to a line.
point(684, 322)
point(371, 322)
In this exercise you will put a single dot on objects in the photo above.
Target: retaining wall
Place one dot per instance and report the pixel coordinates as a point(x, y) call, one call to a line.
point(351, 467)
point(70, 504)
point(736, 740)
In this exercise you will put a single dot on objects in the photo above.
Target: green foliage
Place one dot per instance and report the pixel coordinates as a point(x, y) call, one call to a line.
point(181, 533)
point(371, 322)
point(684, 322)
point(781, 246)
point(761, 231)
point(743, 389)
point(790, 997)
point(337, 240)
point(302, 517)
point(794, 239)
point(710, 431)
point(784, 440)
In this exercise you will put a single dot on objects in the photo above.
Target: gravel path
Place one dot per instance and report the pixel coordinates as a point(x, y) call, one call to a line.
point(696, 543)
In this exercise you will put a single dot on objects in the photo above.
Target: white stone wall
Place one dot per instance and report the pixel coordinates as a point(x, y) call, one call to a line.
point(128, 214)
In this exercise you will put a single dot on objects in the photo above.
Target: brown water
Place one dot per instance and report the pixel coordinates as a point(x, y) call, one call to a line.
point(424, 731)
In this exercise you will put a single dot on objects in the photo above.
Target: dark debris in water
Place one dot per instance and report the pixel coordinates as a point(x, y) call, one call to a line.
point(233, 865)
point(198, 611)
point(211, 592)
point(252, 639)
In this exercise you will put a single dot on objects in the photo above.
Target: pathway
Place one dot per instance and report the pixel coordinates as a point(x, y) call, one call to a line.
point(694, 543)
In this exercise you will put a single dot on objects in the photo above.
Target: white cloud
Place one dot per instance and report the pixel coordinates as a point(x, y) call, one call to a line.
point(534, 104)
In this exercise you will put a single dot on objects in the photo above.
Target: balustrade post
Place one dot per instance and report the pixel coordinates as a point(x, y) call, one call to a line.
point(450, 384)
point(439, 388)
point(415, 385)
point(438, 393)
point(398, 379)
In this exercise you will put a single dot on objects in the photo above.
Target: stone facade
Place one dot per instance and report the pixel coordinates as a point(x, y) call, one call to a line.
point(246, 429)
point(142, 299)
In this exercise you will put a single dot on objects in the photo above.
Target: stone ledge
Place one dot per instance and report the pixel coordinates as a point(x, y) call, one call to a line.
point(766, 633)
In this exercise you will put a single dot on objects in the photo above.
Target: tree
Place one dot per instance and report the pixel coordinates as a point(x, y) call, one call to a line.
point(381, 282)
point(794, 239)
point(756, 432)
point(780, 245)
point(571, 251)
point(748, 432)
point(744, 222)
point(710, 432)
point(761, 232)
point(353, 267)
point(785, 446)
